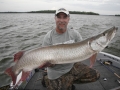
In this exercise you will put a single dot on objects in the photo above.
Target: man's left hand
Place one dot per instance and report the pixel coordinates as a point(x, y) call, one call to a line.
point(92, 60)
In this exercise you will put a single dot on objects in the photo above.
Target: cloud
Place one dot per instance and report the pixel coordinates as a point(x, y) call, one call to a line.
point(97, 6)
point(54, 8)
point(89, 5)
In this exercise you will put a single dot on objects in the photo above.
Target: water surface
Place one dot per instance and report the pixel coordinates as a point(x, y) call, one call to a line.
point(25, 31)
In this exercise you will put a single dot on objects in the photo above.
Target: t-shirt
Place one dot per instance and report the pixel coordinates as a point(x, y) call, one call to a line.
point(54, 38)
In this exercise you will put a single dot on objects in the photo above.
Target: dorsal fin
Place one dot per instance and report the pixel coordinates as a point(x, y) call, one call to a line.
point(18, 55)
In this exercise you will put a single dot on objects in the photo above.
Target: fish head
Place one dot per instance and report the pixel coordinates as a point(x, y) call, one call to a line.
point(110, 34)
point(102, 40)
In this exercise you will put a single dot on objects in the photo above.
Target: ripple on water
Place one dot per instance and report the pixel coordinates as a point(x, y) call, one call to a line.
point(6, 27)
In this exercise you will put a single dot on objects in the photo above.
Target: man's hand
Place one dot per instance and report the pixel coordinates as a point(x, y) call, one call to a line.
point(18, 55)
point(51, 65)
point(92, 60)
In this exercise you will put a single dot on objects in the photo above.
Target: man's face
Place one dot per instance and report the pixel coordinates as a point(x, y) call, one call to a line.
point(62, 21)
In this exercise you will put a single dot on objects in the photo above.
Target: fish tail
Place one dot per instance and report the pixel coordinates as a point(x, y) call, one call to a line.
point(10, 72)
point(24, 75)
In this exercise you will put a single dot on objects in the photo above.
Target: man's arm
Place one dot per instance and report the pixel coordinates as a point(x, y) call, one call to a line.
point(92, 60)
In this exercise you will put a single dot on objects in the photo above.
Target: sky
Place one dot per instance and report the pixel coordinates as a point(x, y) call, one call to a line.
point(103, 7)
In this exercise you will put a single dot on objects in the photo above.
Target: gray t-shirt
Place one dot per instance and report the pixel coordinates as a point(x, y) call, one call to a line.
point(53, 38)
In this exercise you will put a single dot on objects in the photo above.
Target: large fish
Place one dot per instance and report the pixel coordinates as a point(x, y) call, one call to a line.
point(59, 54)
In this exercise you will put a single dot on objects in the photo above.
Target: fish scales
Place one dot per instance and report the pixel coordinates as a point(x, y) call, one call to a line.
point(56, 55)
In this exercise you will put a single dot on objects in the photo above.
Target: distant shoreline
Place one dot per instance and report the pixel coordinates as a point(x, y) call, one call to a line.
point(117, 15)
point(53, 11)
point(71, 12)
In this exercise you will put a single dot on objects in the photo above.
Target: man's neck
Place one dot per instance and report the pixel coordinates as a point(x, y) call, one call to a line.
point(60, 31)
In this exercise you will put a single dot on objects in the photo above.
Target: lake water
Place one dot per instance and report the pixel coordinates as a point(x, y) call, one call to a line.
point(25, 31)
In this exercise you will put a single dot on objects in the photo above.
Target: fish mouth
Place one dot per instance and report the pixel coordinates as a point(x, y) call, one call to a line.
point(112, 33)
point(100, 45)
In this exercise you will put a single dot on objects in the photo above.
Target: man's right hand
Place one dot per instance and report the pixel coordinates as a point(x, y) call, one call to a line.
point(18, 55)
point(51, 65)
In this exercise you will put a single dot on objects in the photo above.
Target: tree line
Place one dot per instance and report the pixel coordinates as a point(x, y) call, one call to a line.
point(71, 12)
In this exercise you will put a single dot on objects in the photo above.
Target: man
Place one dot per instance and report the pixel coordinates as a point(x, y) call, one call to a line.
point(63, 76)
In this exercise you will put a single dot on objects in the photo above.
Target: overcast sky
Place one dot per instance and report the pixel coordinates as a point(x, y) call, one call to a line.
point(107, 7)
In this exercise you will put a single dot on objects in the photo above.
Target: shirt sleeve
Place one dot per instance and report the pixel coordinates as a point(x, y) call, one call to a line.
point(78, 36)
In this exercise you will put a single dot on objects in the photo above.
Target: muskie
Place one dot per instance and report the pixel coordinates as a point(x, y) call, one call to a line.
point(60, 54)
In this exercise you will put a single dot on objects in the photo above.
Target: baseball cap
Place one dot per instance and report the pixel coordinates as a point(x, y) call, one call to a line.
point(62, 10)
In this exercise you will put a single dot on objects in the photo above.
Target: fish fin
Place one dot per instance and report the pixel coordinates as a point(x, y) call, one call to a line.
point(18, 55)
point(12, 74)
point(24, 75)
point(47, 64)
